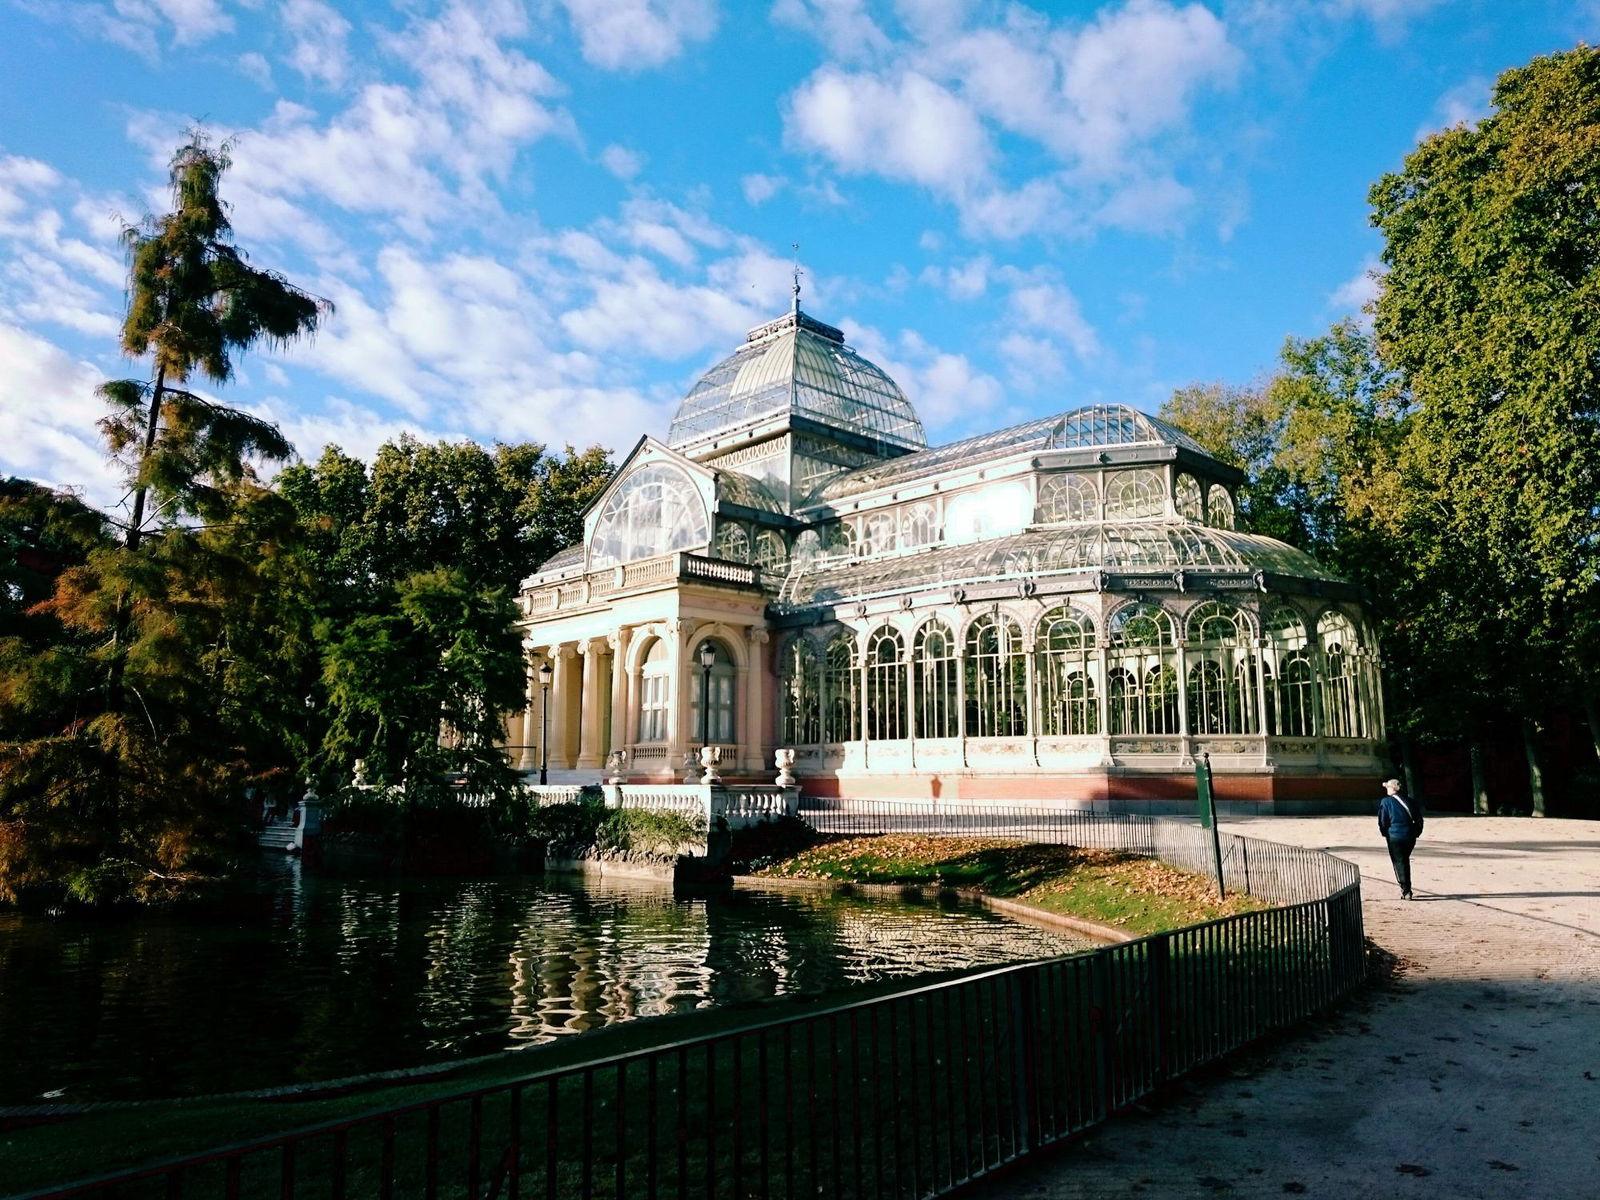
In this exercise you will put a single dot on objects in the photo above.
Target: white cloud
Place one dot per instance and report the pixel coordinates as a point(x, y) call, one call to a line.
point(1390, 16)
point(843, 26)
point(1465, 104)
point(255, 67)
point(1036, 303)
point(961, 281)
point(632, 35)
point(48, 410)
point(138, 25)
point(759, 188)
point(625, 164)
point(1098, 102)
point(1360, 290)
point(319, 38)
point(945, 388)
point(907, 127)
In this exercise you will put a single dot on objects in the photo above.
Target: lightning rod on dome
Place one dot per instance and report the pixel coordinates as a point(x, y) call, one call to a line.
point(794, 306)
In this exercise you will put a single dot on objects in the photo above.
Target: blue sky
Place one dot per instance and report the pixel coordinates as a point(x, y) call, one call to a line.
point(541, 219)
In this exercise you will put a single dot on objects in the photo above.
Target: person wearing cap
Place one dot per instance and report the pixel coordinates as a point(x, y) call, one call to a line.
point(1400, 822)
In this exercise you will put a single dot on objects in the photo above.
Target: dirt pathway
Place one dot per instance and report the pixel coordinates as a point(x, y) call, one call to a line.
point(1476, 1073)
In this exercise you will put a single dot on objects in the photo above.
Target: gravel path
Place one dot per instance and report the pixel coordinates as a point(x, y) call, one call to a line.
point(1475, 1073)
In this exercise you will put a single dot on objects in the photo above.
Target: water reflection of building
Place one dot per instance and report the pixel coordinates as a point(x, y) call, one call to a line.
point(1061, 609)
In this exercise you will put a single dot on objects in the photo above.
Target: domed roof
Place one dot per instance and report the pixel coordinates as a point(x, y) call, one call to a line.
point(797, 365)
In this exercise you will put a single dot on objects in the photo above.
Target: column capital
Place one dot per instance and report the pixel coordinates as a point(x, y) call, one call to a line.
point(758, 634)
point(564, 650)
point(595, 646)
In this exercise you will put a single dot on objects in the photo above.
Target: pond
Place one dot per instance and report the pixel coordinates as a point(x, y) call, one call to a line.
point(338, 977)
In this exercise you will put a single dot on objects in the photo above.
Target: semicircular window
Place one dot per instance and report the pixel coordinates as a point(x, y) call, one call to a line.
point(655, 510)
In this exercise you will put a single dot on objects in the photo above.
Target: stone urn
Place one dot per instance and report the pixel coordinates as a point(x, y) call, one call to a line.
point(710, 756)
point(784, 760)
point(616, 766)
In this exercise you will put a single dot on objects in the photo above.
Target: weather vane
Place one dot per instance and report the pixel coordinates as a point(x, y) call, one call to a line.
point(795, 246)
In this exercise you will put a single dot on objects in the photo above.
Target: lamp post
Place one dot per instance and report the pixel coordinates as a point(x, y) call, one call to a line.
point(708, 659)
point(545, 672)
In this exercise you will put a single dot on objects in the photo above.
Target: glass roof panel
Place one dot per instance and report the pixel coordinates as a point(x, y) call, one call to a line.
point(796, 364)
point(1046, 551)
point(1091, 427)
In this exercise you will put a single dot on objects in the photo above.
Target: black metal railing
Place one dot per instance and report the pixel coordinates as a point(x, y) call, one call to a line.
point(906, 1095)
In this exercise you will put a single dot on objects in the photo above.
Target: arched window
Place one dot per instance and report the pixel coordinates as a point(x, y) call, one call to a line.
point(1188, 500)
point(654, 510)
point(1135, 495)
point(841, 691)
point(1219, 507)
point(733, 543)
point(799, 685)
point(1066, 498)
point(881, 530)
point(1222, 672)
point(1287, 672)
point(838, 537)
point(1065, 666)
point(886, 686)
point(717, 725)
point(997, 678)
point(1142, 657)
point(1343, 712)
point(934, 679)
point(655, 693)
point(772, 552)
point(919, 525)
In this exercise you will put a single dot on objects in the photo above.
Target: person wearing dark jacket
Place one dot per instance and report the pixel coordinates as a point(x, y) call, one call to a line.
point(1400, 822)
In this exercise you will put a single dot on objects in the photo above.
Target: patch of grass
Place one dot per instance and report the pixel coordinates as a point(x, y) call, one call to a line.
point(1139, 895)
point(592, 829)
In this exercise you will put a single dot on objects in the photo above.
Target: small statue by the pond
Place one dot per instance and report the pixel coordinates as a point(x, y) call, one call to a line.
point(691, 767)
point(783, 759)
point(359, 778)
point(616, 766)
point(710, 756)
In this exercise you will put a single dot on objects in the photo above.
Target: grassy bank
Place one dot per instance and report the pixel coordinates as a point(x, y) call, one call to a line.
point(1134, 894)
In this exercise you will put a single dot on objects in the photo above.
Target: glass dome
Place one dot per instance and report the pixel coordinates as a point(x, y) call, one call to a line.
point(797, 365)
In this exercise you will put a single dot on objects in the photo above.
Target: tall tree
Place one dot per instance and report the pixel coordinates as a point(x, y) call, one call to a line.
point(124, 748)
point(1490, 309)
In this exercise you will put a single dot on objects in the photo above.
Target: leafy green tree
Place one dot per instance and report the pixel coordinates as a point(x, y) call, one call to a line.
point(125, 750)
point(415, 689)
point(1490, 309)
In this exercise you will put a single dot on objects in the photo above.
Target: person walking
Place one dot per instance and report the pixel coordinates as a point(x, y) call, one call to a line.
point(1400, 822)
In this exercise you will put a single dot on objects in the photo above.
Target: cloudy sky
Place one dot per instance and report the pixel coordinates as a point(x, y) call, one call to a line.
point(541, 219)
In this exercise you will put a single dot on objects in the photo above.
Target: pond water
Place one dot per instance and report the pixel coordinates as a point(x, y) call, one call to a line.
point(337, 977)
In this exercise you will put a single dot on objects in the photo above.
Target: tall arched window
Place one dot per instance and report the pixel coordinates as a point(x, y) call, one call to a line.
point(1066, 498)
point(799, 685)
point(733, 543)
point(654, 510)
point(882, 529)
point(1188, 500)
point(1222, 673)
point(1065, 666)
point(1219, 507)
point(886, 686)
point(1287, 672)
point(841, 691)
point(1142, 684)
point(934, 678)
point(1344, 714)
point(771, 551)
point(655, 693)
point(919, 525)
point(997, 678)
point(717, 725)
point(1135, 495)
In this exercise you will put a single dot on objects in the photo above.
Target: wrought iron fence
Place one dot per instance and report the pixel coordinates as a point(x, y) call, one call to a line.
point(905, 1095)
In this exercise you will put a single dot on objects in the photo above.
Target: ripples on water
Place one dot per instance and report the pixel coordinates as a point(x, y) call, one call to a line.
point(347, 976)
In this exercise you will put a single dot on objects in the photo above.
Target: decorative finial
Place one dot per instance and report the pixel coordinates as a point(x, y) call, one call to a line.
point(795, 304)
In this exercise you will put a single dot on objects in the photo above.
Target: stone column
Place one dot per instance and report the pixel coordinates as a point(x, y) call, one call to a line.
point(564, 659)
point(1261, 700)
point(528, 760)
point(755, 718)
point(617, 733)
point(591, 751)
point(1030, 676)
point(679, 736)
point(1186, 735)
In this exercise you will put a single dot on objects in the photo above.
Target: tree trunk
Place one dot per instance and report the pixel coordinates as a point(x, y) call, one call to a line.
point(1408, 768)
point(1591, 712)
point(1480, 791)
point(136, 521)
point(1530, 747)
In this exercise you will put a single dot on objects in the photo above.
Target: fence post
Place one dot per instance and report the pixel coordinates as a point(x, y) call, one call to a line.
point(1101, 1029)
point(1024, 1016)
point(1161, 995)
